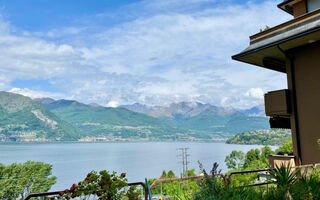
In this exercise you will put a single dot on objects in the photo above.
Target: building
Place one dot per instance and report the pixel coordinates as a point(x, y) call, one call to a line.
point(293, 48)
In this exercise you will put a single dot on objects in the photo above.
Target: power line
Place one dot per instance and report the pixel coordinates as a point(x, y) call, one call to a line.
point(184, 160)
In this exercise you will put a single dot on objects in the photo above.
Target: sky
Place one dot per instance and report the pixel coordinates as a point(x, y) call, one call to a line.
point(153, 52)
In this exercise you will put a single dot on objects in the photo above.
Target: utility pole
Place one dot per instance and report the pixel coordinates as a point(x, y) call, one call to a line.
point(184, 160)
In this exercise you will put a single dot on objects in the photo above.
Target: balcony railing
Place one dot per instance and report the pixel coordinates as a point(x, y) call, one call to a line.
point(46, 194)
point(227, 181)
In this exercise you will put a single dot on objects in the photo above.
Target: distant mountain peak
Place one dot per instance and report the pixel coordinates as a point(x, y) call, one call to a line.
point(45, 100)
point(189, 109)
point(94, 105)
point(184, 108)
point(255, 111)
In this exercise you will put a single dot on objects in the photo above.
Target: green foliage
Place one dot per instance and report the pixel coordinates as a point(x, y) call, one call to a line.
point(191, 172)
point(252, 155)
point(164, 174)
point(171, 174)
point(19, 180)
point(266, 151)
point(253, 159)
point(213, 188)
point(289, 184)
point(307, 186)
point(262, 137)
point(101, 185)
point(284, 176)
point(265, 28)
point(235, 160)
point(177, 189)
point(286, 148)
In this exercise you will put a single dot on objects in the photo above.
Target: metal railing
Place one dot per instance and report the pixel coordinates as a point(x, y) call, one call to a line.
point(45, 194)
point(179, 179)
point(227, 179)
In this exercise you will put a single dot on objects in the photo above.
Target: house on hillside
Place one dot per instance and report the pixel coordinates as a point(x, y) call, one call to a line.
point(293, 48)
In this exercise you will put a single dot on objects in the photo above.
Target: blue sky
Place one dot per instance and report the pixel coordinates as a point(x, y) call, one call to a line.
point(154, 52)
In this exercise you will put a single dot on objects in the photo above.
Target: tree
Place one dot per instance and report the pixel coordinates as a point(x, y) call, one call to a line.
point(235, 160)
point(19, 180)
point(182, 189)
point(101, 185)
point(191, 172)
point(164, 174)
point(266, 151)
point(252, 155)
point(171, 174)
point(286, 148)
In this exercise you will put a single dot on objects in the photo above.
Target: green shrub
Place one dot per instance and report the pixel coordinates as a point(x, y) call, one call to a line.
point(18, 180)
point(286, 148)
point(101, 185)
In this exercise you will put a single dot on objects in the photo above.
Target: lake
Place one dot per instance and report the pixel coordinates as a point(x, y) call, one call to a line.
point(72, 161)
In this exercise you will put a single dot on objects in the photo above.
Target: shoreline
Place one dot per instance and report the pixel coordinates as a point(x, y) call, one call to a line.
point(129, 141)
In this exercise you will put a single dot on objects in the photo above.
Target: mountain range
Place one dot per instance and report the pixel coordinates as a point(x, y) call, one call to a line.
point(205, 120)
point(46, 119)
point(190, 109)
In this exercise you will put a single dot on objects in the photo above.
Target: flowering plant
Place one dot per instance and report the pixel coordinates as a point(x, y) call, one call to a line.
point(103, 186)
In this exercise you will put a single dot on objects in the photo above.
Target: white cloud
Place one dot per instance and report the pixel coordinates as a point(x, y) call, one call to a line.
point(256, 93)
point(36, 94)
point(174, 53)
point(112, 104)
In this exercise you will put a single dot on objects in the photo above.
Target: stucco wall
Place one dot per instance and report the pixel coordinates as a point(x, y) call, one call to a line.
point(307, 83)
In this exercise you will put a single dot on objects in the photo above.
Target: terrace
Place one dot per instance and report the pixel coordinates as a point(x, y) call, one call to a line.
point(292, 48)
point(263, 180)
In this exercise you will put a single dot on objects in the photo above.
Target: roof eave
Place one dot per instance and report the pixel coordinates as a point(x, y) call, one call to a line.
point(285, 7)
point(242, 56)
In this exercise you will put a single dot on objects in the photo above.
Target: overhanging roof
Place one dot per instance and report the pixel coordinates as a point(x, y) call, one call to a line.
point(264, 48)
point(286, 5)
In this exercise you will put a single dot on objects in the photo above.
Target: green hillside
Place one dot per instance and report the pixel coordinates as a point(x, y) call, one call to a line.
point(120, 122)
point(112, 122)
point(218, 123)
point(22, 119)
point(262, 137)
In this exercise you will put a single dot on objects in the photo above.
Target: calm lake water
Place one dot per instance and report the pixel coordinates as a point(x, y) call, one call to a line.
point(72, 161)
